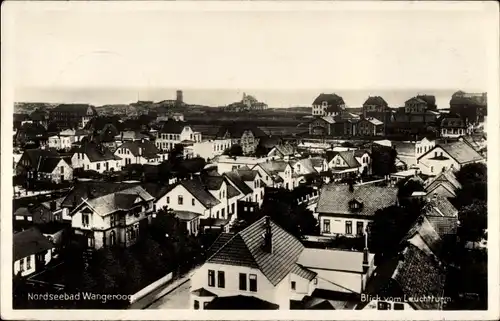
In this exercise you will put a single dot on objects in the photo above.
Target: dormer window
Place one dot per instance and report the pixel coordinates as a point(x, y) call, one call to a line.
point(354, 205)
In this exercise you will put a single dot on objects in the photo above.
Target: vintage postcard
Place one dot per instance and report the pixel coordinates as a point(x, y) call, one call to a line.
point(250, 160)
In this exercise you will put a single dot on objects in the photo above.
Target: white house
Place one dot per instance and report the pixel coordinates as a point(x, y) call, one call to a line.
point(66, 138)
point(347, 210)
point(31, 251)
point(448, 156)
point(320, 164)
point(140, 152)
point(176, 132)
point(409, 152)
point(110, 219)
point(258, 262)
point(227, 163)
point(344, 164)
point(56, 170)
point(248, 183)
point(278, 173)
point(211, 197)
point(365, 160)
point(209, 149)
point(96, 158)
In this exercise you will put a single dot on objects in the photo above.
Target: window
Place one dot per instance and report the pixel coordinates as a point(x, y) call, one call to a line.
point(432, 169)
point(381, 305)
point(315, 281)
point(211, 278)
point(28, 262)
point(293, 285)
point(62, 169)
point(243, 281)
point(359, 228)
point(196, 304)
point(112, 220)
point(180, 200)
point(399, 306)
point(98, 166)
point(435, 154)
point(253, 282)
point(192, 201)
point(221, 279)
point(168, 199)
point(326, 226)
point(85, 219)
point(21, 265)
point(348, 227)
point(251, 209)
point(232, 208)
point(223, 213)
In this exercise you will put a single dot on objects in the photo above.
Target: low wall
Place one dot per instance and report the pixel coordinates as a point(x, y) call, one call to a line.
point(150, 288)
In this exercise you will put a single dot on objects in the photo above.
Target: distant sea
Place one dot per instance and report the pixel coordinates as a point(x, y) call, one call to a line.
point(222, 97)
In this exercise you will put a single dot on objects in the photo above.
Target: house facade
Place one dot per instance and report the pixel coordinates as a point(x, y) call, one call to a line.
point(31, 252)
point(344, 164)
point(346, 210)
point(322, 126)
point(96, 158)
point(139, 152)
point(68, 116)
point(278, 173)
point(175, 132)
point(452, 126)
point(328, 105)
point(247, 137)
point(445, 157)
point(114, 219)
point(209, 149)
point(370, 127)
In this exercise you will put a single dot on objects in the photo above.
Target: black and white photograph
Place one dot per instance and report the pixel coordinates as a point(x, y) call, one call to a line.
point(249, 156)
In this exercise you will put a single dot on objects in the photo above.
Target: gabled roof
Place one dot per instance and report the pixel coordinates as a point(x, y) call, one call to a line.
point(374, 121)
point(120, 201)
point(97, 153)
point(334, 199)
point(274, 166)
point(91, 189)
point(186, 215)
point(35, 155)
point(444, 225)
point(417, 275)
point(80, 109)
point(348, 157)
point(375, 100)
point(131, 135)
point(148, 149)
point(48, 164)
point(173, 127)
point(284, 149)
point(211, 182)
point(443, 177)
point(306, 166)
point(157, 190)
point(246, 249)
point(328, 119)
point(29, 242)
point(196, 188)
point(459, 151)
point(423, 236)
point(237, 180)
point(416, 100)
point(440, 206)
point(331, 99)
point(317, 161)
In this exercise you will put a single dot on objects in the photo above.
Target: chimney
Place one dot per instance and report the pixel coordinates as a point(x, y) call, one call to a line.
point(366, 264)
point(121, 137)
point(268, 242)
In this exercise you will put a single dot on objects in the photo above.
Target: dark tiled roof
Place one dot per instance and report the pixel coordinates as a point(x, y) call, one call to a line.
point(231, 191)
point(285, 149)
point(440, 206)
point(375, 100)
point(423, 236)
point(274, 167)
point(116, 201)
point(29, 242)
point(430, 100)
point(157, 190)
point(247, 175)
point(35, 155)
point(48, 164)
point(240, 302)
point(331, 99)
point(443, 225)
point(348, 157)
point(461, 152)
point(202, 292)
point(213, 183)
point(270, 141)
point(235, 178)
point(148, 149)
point(446, 176)
point(200, 192)
point(96, 153)
point(221, 240)
point(173, 127)
point(92, 189)
point(317, 161)
point(246, 249)
point(335, 199)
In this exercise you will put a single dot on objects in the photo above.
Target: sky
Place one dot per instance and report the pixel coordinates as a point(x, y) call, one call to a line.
point(104, 54)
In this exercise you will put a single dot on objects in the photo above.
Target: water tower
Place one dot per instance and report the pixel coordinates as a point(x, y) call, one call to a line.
point(179, 99)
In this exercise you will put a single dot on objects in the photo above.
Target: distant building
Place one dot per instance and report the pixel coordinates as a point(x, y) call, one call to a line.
point(247, 103)
point(176, 132)
point(97, 158)
point(247, 137)
point(179, 97)
point(328, 105)
point(452, 126)
point(472, 107)
point(71, 116)
point(209, 149)
point(139, 152)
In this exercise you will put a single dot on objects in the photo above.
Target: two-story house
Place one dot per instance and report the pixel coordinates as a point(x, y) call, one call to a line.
point(448, 156)
point(370, 126)
point(31, 251)
point(112, 219)
point(343, 164)
point(72, 115)
point(452, 126)
point(365, 160)
point(278, 173)
point(227, 163)
point(444, 184)
point(322, 126)
point(410, 151)
point(248, 183)
point(139, 152)
point(176, 132)
point(96, 158)
point(44, 164)
point(328, 105)
point(131, 136)
point(248, 137)
point(346, 210)
point(415, 105)
point(282, 151)
point(212, 198)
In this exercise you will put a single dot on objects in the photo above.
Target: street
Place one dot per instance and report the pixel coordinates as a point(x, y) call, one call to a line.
point(177, 299)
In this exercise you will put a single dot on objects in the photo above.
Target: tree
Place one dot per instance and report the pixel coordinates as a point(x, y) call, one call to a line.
point(472, 173)
point(261, 151)
point(473, 221)
point(383, 160)
point(234, 150)
point(176, 154)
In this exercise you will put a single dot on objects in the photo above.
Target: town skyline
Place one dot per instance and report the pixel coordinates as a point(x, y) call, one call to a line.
point(284, 98)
